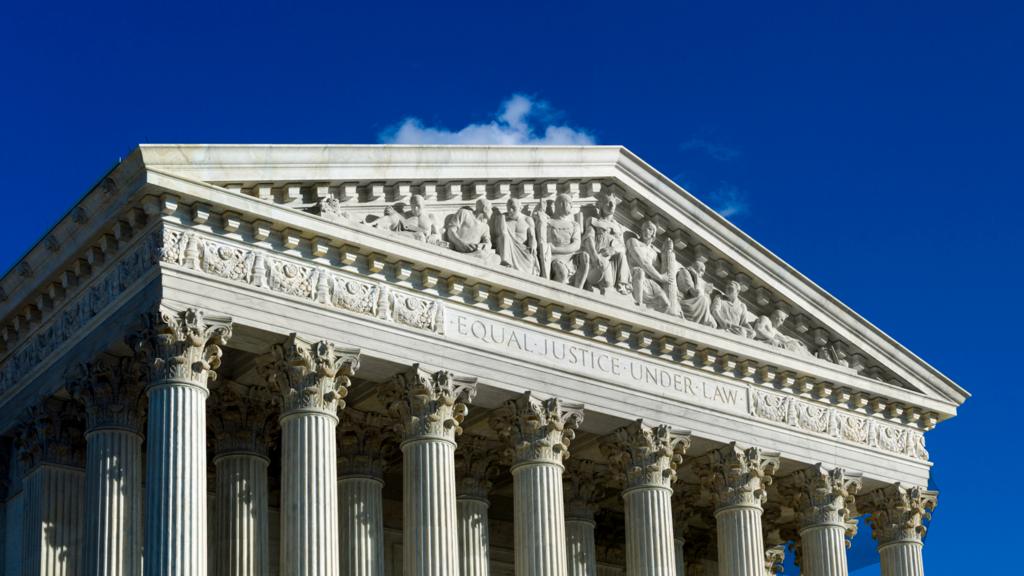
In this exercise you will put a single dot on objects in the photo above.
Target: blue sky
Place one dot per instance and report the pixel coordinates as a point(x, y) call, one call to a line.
point(876, 146)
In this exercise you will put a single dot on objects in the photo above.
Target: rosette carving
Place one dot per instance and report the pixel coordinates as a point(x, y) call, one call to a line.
point(366, 443)
point(898, 512)
point(821, 496)
point(428, 405)
point(112, 390)
point(51, 433)
point(643, 455)
point(476, 465)
point(182, 346)
point(241, 417)
point(537, 430)
point(311, 376)
point(737, 476)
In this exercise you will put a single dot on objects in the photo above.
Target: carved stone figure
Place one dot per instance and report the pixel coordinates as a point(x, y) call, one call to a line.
point(559, 238)
point(648, 279)
point(695, 295)
point(517, 243)
point(604, 242)
point(417, 224)
point(767, 330)
point(468, 232)
point(731, 313)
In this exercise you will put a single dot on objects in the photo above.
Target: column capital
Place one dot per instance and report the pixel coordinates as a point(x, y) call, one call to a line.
point(476, 460)
point(644, 455)
point(112, 389)
point(181, 345)
point(822, 497)
point(583, 487)
point(366, 443)
point(897, 512)
point(51, 433)
point(737, 476)
point(538, 430)
point(241, 417)
point(311, 376)
point(428, 405)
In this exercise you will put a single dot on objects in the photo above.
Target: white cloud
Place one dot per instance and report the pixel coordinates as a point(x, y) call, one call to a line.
point(728, 200)
point(521, 121)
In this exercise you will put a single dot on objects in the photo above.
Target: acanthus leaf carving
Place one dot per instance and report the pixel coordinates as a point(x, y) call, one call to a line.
point(643, 455)
point(535, 429)
point(476, 465)
point(736, 476)
point(310, 376)
point(181, 345)
point(241, 417)
point(366, 444)
point(823, 497)
point(112, 389)
point(898, 512)
point(428, 405)
point(51, 433)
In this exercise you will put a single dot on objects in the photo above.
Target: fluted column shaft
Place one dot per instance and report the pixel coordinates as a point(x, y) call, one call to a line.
point(540, 519)
point(430, 537)
point(740, 541)
point(581, 548)
point(902, 559)
point(824, 550)
point(176, 519)
point(52, 521)
point(113, 503)
point(474, 537)
point(680, 562)
point(242, 531)
point(361, 525)
point(309, 494)
point(650, 546)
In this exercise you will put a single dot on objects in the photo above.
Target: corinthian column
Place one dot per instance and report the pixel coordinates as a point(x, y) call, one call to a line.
point(539, 432)
point(312, 380)
point(181, 350)
point(50, 447)
point(645, 460)
point(582, 490)
point(241, 418)
point(364, 446)
point(737, 479)
point(112, 392)
point(823, 501)
point(430, 408)
point(475, 466)
point(897, 513)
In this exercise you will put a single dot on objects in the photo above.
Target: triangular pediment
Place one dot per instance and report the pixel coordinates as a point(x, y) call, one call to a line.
point(579, 248)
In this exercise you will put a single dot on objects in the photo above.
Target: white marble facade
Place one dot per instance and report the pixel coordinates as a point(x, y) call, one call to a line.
point(440, 361)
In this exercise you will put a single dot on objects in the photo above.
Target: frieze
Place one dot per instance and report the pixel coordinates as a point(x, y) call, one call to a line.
point(89, 302)
point(423, 311)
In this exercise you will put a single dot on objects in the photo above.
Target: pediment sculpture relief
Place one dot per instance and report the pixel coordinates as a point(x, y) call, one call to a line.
point(589, 248)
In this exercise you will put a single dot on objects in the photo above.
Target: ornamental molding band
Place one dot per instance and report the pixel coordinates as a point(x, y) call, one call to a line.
point(736, 476)
point(310, 376)
point(897, 513)
point(535, 429)
point(645, 456)
point(428, 405)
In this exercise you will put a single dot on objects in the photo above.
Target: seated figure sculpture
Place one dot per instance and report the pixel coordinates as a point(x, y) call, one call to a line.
point(731, 313)
point(695, 295)
point(468, 231)
point(649, 282)
point(604, 243)
point(559, 238)
point(417, 225)
point(516, 241)
point(767, 328)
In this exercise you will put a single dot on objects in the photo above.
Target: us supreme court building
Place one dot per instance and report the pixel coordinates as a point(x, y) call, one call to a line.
point(441, 361)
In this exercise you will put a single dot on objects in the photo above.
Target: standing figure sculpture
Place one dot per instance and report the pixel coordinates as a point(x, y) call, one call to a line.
point(517, 244)
point(731, 313)
point(767, 330)
point(468, 232)
point(604, 242)
point(695, 295)
point(559, 238)
point(649, 282)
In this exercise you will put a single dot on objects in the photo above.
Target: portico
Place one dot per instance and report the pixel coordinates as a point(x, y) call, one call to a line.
point(374, 390)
